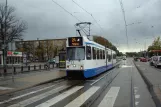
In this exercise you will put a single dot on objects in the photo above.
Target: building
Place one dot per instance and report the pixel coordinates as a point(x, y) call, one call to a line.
point(41, 50)
point(13, 57)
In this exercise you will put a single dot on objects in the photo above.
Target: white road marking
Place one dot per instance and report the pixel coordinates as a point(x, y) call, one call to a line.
point(17, 97)
point(137, 96)
point(110, 97)
point(60, 97)
point(135, 91)
point(83, 97)
point(100, 78)
point(135, 87)
point(136, 103)
point(37, 98)
point(5, 88)
point(125, 66)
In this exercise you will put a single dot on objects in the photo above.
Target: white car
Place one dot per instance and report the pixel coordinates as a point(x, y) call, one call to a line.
point(151, 62)
point(157, 61)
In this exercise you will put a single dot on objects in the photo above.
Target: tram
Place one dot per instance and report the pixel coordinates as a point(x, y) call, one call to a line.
point(86, 58)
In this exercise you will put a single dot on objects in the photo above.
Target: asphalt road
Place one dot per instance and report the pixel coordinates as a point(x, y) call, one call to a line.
point(119, 87)
point(153, 74)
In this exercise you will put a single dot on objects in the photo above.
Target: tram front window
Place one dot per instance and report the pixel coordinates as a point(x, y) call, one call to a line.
point(75, 53)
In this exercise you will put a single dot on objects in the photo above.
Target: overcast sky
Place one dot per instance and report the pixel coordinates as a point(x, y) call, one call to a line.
point(46, 20)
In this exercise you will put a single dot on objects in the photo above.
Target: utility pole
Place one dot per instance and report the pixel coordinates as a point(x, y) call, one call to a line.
point(12, 62)
point(3, 26)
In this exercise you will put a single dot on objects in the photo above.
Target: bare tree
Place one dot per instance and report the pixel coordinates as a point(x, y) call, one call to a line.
point(10, 28)
point(49, 49)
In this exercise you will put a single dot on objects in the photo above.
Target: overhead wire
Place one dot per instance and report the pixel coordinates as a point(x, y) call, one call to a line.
point(89, 14)
point(123, 12)
point(66, 10)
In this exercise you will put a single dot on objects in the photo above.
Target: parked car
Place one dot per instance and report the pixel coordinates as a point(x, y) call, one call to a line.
point(151, 61)
point(142, 59)
point(157, 61)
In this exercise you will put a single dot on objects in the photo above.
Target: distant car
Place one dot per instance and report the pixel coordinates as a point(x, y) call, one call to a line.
point(124, 57)
point(51, 61)
point(136, 58)
point(148, 59)
point(36, 60)
point(142, 59)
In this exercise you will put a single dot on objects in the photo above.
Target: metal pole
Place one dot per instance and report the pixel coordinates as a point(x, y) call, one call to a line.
point(89, 29)
point(4, 42)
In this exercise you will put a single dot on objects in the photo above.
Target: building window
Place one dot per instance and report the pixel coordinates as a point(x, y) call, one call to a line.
point(88, 52)
point(94, 52)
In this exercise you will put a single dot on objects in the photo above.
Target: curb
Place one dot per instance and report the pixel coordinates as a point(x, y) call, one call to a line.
point(20, 89)
point(150, 87)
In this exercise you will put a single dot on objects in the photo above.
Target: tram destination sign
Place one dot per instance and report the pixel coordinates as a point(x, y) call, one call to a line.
point(75, 41)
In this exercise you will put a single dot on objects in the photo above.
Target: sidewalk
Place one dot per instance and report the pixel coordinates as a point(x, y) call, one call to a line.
point(152, 77)
point(24, 81)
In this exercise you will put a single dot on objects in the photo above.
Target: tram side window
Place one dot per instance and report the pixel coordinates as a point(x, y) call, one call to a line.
point(98, 56)
point(88, 52)
point(94, 52)
point(109, 58)
point(103, 54)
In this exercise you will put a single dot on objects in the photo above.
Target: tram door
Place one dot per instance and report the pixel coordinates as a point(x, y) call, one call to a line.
point(62, 59)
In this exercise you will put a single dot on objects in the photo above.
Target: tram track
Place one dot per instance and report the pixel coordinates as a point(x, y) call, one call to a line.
point(63, 84)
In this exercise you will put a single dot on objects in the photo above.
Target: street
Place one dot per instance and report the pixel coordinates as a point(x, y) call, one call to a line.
point(120, 87)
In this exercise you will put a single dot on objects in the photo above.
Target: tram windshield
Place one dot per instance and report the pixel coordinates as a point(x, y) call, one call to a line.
point(75, 53)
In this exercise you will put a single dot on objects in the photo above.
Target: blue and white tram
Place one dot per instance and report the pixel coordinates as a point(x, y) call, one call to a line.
point(86, 58)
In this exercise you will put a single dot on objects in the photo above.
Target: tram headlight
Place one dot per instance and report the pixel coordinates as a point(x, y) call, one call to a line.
point(74, 65)
point(81, 67)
